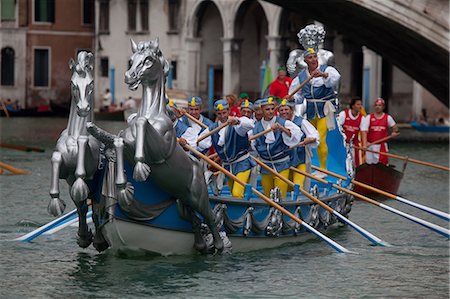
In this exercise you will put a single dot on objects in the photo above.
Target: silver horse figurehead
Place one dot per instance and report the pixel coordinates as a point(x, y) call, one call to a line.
point(82, 82)
point(147, 62)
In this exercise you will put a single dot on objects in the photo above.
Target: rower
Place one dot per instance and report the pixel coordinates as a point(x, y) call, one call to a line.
point(350, 120)
point(232, 145)
point(320, 97)
point(375, 126)
point(184, 133)
point(273, 147)
point(258, 110)
point(309, 137)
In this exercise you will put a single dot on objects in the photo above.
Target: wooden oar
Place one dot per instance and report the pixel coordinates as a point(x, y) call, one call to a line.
point(372, 238)
point(183, 112)
point(432, 211)
point(260, 134)
point(22, 148)
point(289, 96)
point(382, 140)
point(440, 230)
point(212, 132)
point(4, 108)
point(330, 242)
point(405, 158)
point(14, 170)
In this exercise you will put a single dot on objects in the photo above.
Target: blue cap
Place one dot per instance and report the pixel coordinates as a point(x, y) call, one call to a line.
point(309, 51)
point(268, 101)
point(221, 105)
point(195, 101)
point(257, 104)
point(286, 103)
point(247, 104)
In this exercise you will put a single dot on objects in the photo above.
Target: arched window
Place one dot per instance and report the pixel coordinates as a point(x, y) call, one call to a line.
point(7, 68)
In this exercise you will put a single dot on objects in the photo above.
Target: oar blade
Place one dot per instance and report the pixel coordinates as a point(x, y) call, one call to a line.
point(335, 245)
point(432, 211)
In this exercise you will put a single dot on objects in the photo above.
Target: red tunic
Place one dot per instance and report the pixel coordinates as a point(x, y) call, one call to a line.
point(280, 89)
point(351, 128)
point(235, 111)
point(378, 128)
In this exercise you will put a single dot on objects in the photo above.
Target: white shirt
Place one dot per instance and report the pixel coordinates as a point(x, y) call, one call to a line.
point(310, 131)
point(365, 122)
point(331, 81)
point(289, 141)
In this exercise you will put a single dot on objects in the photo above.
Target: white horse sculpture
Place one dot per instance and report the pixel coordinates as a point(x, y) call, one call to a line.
point(150, 144)
point(76, 157)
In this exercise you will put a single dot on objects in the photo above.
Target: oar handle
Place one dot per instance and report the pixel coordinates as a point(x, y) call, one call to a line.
point(329, 172)
point(212, 132)
point(405, 158)
point(183, 112)
point(13, 169)
point(289, 96)
point(260, 134)
point(384, 139)
point(22, 148)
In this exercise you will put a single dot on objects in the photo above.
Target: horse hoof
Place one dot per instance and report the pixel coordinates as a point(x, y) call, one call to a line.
point(125, 196)
point(85, 240)
point(79, 190)
point(99, 242)
point(141, 172)
point(200, 247)
point(56, 206)
point(218, 244)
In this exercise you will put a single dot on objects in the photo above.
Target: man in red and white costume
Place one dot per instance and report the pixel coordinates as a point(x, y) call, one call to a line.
point(350, 120)
point(374, 127)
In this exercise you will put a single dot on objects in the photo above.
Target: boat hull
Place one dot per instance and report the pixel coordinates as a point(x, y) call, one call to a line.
point(379, 176)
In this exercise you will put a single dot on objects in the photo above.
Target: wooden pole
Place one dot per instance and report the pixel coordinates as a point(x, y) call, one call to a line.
point(332, 243)
point(13, 169)
point(260, 134)
point(183, 112)
point(4, 108)
point(212, 132)
point(289, 96)
point(440, 230)
point(435, 212)
point(382, 140)
point(22, 148)
point(405, 158)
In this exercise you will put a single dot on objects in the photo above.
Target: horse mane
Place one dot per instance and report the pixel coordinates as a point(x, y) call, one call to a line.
point(84, 64)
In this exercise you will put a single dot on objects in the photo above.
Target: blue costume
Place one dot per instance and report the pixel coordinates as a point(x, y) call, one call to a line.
point(298, 155)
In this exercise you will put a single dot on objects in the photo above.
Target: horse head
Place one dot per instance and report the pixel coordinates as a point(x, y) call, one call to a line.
point(147, 64)
point(82, 82)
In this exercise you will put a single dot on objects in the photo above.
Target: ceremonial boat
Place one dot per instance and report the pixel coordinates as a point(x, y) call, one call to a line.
point(379, 176)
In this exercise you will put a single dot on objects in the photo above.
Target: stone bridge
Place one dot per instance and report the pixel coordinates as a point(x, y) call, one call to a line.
point(412, 34)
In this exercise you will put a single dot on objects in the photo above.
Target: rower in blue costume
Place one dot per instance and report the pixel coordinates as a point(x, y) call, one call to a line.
point(184, 133)
point(232, 145)
point(310, 138)
point(273, 147)
point(195, 109)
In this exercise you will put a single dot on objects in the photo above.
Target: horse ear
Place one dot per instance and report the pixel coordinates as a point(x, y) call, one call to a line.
point(90, 58)
point(166, 67)
point(133, 46)
point(156, 43)
point(71, 64)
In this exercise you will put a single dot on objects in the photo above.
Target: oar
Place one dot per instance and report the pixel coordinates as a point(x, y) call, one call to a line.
point(372, 238)
point(440, 230)
point(37, 232)
point(260, 134)
point(212, 132)
point(330, 242)
point(73, 221)
point(183, 112)
point(405, 158)
point(289, 96)
point(390, 195)
point(22, 148)
point(382, 139)
point(13, 169)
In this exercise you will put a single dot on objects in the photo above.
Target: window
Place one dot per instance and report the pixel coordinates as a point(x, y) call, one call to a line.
point(104, 66)
point(174, 69)
point(7, 59)
point(8, 9)
point(88, 12)
point(104, 16)
point(41, 67)
point(174, 6)
point(44, 11)
point(133, 7)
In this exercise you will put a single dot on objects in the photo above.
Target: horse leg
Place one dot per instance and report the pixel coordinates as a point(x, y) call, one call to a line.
point(141, 170)
point(79, 190)
point(84, 233)
point(125, 190)
point(199, 201)
point(99, 240)
point(56, 205)
point(188, 214)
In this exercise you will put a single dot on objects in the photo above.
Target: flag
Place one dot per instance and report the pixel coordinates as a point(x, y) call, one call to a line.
point(267, 77)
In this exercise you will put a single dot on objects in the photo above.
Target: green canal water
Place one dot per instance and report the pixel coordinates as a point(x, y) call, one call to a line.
point(416, 266)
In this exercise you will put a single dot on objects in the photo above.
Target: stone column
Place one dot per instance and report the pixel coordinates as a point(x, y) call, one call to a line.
point(417, 99)
point(192, 71)
point(274, 44)
point(231, 65)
